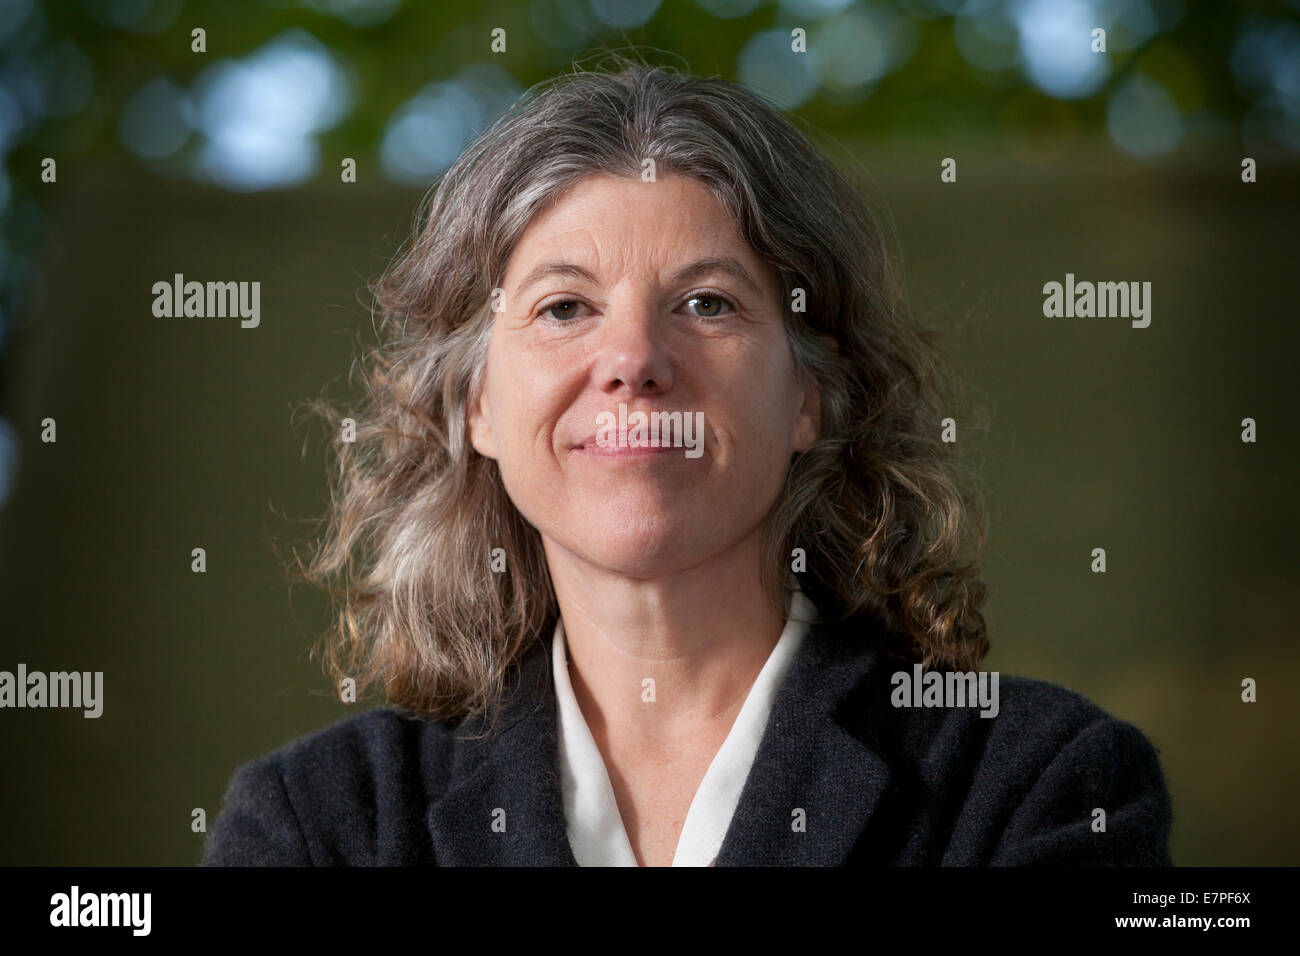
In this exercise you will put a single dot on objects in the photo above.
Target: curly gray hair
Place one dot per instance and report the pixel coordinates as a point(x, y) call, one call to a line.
point(875, 504)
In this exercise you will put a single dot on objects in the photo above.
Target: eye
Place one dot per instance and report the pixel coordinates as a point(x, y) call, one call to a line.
point(556, 310)
point(711, 304)
point(707, 305)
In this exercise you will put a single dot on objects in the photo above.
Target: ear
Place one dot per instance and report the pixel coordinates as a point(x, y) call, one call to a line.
point(808, 422)
point(478, 421)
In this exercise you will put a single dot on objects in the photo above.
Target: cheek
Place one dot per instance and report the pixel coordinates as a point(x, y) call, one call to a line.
point(511, 388)
point(527, 401)
point(760, 404)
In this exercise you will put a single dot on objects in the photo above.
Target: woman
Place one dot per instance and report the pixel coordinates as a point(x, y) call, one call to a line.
point(648, 531)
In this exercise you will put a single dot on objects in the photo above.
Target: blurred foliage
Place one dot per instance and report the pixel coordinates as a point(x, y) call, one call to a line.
point(1015, 72)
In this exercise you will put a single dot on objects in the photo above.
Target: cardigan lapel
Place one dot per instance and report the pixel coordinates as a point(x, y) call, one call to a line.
point(814, 783)
point(504, 806)
point(809, 796)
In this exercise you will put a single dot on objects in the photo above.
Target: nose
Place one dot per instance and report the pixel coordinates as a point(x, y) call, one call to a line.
point(632, 356)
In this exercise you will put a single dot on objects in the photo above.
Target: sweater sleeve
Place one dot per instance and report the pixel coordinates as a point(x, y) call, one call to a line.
point(257, 825)
point(1109, 767)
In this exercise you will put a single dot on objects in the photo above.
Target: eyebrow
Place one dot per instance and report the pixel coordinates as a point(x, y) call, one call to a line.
point(723, 264)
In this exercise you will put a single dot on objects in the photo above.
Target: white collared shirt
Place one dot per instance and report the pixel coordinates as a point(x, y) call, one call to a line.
point(595, 828)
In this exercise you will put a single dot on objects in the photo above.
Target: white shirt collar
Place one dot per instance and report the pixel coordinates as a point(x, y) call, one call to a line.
point(595, 828)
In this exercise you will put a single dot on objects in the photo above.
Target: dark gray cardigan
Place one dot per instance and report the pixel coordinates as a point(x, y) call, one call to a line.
point(876, 783)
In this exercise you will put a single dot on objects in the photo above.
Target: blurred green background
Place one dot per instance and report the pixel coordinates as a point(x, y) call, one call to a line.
point(224, 165)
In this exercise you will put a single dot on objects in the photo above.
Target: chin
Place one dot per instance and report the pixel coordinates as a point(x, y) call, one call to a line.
point(648, 552)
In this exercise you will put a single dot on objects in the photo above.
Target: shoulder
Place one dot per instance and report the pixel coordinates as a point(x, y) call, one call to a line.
point(1092, 790)
point(1030, 772)
point(319, 799)
point(1059, 738)
point(1035, 718)
point(1040, 726)
point(370, 743)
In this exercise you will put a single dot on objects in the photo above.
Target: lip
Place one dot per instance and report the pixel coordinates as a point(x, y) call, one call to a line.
point(649, 449)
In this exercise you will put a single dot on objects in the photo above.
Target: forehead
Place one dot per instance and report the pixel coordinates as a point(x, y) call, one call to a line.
point(618, 223)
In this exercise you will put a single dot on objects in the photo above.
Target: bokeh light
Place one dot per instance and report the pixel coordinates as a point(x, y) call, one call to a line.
point(259, 115)
point(428, 132)
point(1056, 46)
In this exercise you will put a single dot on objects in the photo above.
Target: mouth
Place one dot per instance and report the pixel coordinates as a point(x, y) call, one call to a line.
point(591, 446)
point(653, 434)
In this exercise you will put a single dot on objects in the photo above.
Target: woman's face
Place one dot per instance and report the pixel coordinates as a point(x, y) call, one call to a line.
point(640, 294)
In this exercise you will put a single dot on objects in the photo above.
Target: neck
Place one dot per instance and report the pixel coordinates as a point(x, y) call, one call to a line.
point(701, 635)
